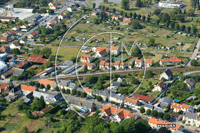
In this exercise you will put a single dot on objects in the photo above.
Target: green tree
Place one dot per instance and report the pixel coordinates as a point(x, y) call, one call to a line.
point(188, 29)
point(157, 21)
point(194, 62)
point(135, 24)
point(157, 12)
point(177, 26)
point(68, 91)
point(131, 15)
point(51, 12)
point(160, 115)
point(41, 102)
point(157, 1)
point(99, 98)
point(16, 51)
point(143, 18)
point(151, 41)
point(25, 130)
point(78, 93)
point(37, 84)
point(154, 113)
point(194, 29)
point(183, 121)
point(74, 92)
point(47, 64)
point(183, 27)
point(148, 18)
point(94, 5)
point(148, 112)
point(142, 110)
point(41, 86)
point(138, 3)
point(172, 24)
point(73, 59)
point(166, 116)
point(46, 51)
point(139, 16)
point(57, 88)
point(167, 23)
point(114, 10)
point(142, 126)
point(63, 90)
point(134, 15)
point(125, 4)
point(83, 94)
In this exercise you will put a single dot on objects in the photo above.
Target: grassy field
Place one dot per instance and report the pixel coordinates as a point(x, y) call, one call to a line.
point(65, 53)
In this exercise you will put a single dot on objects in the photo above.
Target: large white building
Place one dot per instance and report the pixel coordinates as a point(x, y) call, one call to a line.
point(167, 4)
point(3, 67)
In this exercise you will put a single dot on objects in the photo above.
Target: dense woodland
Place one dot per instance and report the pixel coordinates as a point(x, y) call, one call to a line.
point(32, 3)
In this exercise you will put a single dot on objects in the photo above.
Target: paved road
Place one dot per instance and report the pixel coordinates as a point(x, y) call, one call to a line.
point(188, 73)
point(194, 54)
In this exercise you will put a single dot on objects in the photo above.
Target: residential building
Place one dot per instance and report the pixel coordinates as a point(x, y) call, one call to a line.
point(103, 65)
point(159, 86)
point(45, 82)
point(168, 4)
point(117, 98)
point(103, 94)
point(14, 93)
point(112, 114)
point(90, 66)
point(88, 91)
point(33, 18)
point(72, 8)
point(64, 84)
point(169, 61)
point(33, 35)
point(18, 71)
point(115, 50)
point(27, 89)
point(191, 119)
point(114, 85)
point(15, 45)
point(3, 67)
point(190, 83)
point(139, 63)
point(131, 102)
point(126, 21)
point(7, 19)
point(108, 14)
point(72, 86)
point(61, 16)
point(119, 65)
point(166, 75)
point(115, 17)
point(143, 98)
point(4, 87)
point(4, 49)
point(6, 74)
point(38, 59)
point(156, 123)
point(165, 102)
point(43, 111)
point(4, 39)
point(101, 53)
point(48, 97)
point(131, 62)
point(25, 26)
point(181, 107)
point(16, 28)
point(148, 62)
point(95, 12)
point(86, 58)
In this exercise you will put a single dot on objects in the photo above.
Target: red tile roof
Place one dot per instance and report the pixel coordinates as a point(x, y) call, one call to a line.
point(11, 31)
point(102, 52)
point(17, 27)
point(131, 100)
point(36, 113)
point(131, 62)
point(16, 43)
point(22, 64)
point(36, 59)
point(160, 84)
point(4, 86)
point(45, 82)
point(114, 48)
point(127, 19)
point(142, 97)
point(148, 61)
point(87, 64)
point(87, 90)
point(117, 62)
point(85, 56)
point(3, 48)
point(171, 60)
point(137, 60)
point(33, 33)
point(27, 88)
point(4, 38)
point(179, 106)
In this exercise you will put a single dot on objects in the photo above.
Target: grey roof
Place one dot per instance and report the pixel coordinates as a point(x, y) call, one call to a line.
point(47, 96)
point(66, 63)
point(159, 109)
point(148, 106)
point(117, 84)
point(164, 104)
point(167, 100)
point(79, 89)
point(33, 17)
point(26, 100)
point(191, 82)
point(191, 115)
point(18, 71)
point(117, 96)
point(72, 86)
point(168, 72)
point(63, 83)
point(101, 93)
point(79, 102)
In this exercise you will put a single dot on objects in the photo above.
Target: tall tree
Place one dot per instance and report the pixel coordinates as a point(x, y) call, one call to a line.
point(125, 4)
point(138, 3)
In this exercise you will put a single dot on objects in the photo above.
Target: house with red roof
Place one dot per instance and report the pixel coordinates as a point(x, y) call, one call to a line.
point(16, 28)
point(115, 50)
point(4, 87)
point(46, 82)
point(4, 48)
point(103, 65)
point(27, 89)
point(143, 98)
point(108, 14)
point(38, 59)
point(115, 17)
point(139, 63)
point(9, 33)
point(15, 45)
point(131, 102)
point(25, 26)
point(4, 39)
point(156, 124)
point(130, 63)
point(148, 62)
point(86, 58)
point(159, 86)
point(100, 51)
point(90, 66)
point(112, 114)
point(22, 65)
point(184, 107)
point(119, 65)
point(88, 91)
point(168, 61)
point(61, 16)
point(33, 35)
point(126, 21)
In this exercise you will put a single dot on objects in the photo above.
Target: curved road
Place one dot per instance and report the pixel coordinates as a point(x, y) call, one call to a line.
point(188, 73)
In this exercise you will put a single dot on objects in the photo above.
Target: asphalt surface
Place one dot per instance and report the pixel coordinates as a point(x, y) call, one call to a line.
point(188, 73)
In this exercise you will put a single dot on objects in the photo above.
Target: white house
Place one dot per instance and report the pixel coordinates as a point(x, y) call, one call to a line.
point(166, 75)
point(159, 86)
point(90, 66)
point(16, 28)
point(61, 16)
point(139, 63)
point(25, 26)
point(148, 62)
point(86, 58)
point(167, 4)
point(115, 50)
point(191, 119)
point(15, 45)
point(178, 107)
point(190, 83)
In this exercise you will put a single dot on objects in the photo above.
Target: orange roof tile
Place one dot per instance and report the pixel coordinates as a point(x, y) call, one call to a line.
point(114, 48)
point(4, 38)
point(179, 106)
point(160, 84)
point(102, 52)
point(137, 60)
point(22, 64)
point(131, 100)
point(27, 88)
point(87, 64)
point(117, 62)
point(85, 56)
point(36, 59)
point(4, 86)
point(148, 61)
point(87, 89)
point(171, 60)
point(46, 82)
